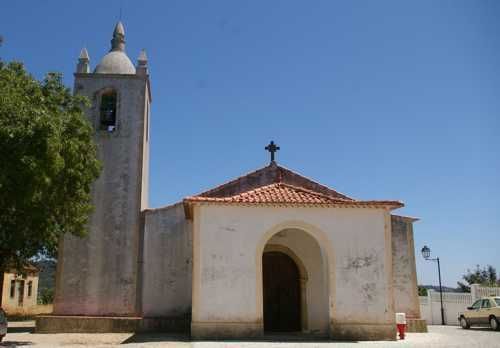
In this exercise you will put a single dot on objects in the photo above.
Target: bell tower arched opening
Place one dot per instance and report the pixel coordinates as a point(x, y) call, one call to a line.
point(107, 112)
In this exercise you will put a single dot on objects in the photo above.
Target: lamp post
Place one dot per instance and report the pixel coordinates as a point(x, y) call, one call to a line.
point(426, 253)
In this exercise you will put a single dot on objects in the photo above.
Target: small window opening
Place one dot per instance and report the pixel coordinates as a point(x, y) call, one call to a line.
point(12, 288)
point(21, 293)
point(108, 111)
point(30, 288)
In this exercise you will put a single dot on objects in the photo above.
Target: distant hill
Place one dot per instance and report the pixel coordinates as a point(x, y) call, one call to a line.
point(445, 288)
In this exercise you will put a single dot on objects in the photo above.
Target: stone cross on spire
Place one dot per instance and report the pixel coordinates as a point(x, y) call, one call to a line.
point(272, 148)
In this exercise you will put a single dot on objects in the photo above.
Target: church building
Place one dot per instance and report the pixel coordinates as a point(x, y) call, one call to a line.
point(269, 252)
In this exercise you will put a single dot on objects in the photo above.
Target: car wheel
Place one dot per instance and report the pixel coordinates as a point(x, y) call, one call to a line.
point(464, 324)
point(494, 324)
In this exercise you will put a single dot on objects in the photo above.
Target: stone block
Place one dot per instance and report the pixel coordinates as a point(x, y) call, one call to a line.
point(221, 330)
point(81, 324)
point(363, 332)
point(166, 324)
point(416, 325)
point(92, 324)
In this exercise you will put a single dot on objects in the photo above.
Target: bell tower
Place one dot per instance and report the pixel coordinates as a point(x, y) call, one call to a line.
point(100, 273)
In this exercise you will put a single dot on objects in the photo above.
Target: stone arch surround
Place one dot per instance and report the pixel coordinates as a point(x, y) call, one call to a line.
point(315, 267)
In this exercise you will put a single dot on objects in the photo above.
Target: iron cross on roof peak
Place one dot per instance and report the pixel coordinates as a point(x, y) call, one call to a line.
point(272, 148)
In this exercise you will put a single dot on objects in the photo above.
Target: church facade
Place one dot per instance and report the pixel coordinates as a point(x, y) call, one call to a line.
point(270, 251)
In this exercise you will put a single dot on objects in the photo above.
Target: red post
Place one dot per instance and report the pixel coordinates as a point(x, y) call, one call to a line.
point(401, 330)
point(401, 324)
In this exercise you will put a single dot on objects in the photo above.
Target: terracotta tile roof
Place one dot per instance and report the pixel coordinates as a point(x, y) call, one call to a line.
point(28, 267)
point(276, 185)
point(270, 174)
point(281, 193)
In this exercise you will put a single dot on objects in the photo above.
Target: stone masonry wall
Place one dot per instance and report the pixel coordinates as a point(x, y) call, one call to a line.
point(98, 275)
point(404, 268)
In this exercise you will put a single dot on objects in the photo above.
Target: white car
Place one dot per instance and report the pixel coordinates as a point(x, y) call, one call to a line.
point(3, 324)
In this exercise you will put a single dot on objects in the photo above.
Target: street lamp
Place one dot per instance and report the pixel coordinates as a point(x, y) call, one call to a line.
point(426, 253)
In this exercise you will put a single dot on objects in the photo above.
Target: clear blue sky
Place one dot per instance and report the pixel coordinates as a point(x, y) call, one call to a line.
point(377, 99)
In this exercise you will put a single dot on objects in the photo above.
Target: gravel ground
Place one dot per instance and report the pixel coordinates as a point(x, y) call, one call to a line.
point(20, 334)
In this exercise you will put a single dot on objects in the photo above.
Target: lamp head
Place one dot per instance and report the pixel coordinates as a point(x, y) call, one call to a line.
point(426, 252)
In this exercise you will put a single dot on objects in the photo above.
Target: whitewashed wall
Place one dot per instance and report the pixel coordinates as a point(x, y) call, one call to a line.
point(453, 304)
point(227, 261)
point(478, 291)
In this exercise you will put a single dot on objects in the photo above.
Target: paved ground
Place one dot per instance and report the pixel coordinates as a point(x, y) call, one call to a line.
point(20, 334)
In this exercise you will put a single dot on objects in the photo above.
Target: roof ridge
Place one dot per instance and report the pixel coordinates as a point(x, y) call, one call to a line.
point(315, 182)
point(275, 184)
point(280, 168)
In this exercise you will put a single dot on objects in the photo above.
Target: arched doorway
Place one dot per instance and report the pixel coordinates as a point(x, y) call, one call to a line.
point(301, 243)
point(281, 293)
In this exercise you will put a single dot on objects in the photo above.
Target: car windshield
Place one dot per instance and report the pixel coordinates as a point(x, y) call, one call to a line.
point(476, 304)
point(497, 300)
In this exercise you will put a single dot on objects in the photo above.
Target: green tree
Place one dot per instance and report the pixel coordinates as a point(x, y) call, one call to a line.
point(422, 291)
point(486, 276)
point(47, 165)
point(46, 296)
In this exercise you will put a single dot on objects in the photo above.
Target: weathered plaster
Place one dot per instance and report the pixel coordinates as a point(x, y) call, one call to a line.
point(168, 266)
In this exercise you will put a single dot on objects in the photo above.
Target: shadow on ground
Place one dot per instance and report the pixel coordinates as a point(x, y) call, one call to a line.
point(471, 329)
point(481, 329)
point(15, 343)
point(19, 329)
point(166, 337)
point(156, 337)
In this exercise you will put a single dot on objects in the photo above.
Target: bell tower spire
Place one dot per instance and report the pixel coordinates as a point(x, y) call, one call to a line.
point(118, 40)
point(83, 66)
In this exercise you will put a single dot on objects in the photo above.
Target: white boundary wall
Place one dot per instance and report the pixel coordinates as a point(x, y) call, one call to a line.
point(479, 291)
point(453, 304)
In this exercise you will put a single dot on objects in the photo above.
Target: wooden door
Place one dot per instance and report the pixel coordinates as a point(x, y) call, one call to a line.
point(281, 293)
